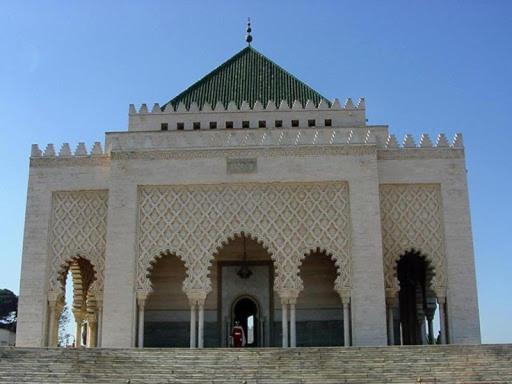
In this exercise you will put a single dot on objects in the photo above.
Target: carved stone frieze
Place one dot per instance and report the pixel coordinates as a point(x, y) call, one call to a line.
point(289, 219)
point(411, 216)
point(78, 229)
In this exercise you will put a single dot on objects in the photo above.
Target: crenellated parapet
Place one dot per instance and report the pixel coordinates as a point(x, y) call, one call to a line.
point(273, 114)
point(65, 152)
point(257, 107)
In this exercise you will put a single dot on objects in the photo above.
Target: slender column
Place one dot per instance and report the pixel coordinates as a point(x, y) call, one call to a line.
point(442, 318)
point(284, 323)
point(346, 322)
point(200, 331)
point(92, 329)
point(52, 331)
point(140, 333)
point(100, 322)
point(391, 326)
point(293, 335)
point(79, 319)
point(192, 325)
point(431, 336)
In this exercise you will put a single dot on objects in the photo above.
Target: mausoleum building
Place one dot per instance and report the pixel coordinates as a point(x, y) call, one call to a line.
point(250, 198)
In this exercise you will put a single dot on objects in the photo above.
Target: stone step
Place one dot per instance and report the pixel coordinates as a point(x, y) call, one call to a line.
point(419, 364)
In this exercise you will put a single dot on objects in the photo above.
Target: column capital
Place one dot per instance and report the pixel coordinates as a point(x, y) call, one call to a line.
point(289, 295)
point(54, 297)
point(344, 294)
point(196, 296)
point(441, 299)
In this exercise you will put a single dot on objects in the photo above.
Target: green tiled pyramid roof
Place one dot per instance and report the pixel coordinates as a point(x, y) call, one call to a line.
point(247, 76)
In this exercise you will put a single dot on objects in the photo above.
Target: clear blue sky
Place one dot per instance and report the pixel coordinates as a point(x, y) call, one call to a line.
point(69, 69)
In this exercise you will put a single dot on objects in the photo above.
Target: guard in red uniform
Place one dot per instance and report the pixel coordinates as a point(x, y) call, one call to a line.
point(238, 335)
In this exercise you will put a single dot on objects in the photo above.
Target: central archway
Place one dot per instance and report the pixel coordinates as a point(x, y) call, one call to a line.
point(242, 275)
point(245, 310)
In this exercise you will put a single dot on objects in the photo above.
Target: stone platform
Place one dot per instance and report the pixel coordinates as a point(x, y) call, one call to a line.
point(414, 364)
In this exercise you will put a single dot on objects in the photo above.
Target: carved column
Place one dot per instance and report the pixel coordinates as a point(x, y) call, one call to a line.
point(344, 294)
point(293, 335)
point(141, 304)
point(391, 304)
point(192, 324)
point(442, 318)
point(79, 319)
point(284, 322)
point(52, 327)
point(92, 329)
point(100, 321)
point(55, 303)
point(200, 325)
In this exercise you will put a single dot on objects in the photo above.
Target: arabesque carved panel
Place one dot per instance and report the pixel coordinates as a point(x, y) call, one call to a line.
point(78, 228)
point(290, 219)
point(411, 216)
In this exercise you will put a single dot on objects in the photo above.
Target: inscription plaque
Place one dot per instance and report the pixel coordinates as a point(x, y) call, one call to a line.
point(241, 165)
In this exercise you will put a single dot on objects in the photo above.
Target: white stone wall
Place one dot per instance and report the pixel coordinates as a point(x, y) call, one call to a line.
point(354, 156)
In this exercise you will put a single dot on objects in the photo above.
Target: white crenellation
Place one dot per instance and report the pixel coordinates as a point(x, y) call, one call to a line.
point(81, 150)
point(349, 104)
point(96, 149)
point(242, 138)
point(457, 141)
point(156, 108)
point(442, 141)
point(35, 152)
point(49, 151)
point(392, 142)
point(65, 150)
point(409, 141)
point(425, 141)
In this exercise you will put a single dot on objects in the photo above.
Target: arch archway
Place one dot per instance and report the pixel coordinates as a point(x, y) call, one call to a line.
point(242, 267)
point(84, 301)
point(416, 299)
point(318, 306)
point(165, 322)
point(245, 310)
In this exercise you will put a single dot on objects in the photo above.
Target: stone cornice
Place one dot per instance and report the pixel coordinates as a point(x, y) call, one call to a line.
point(85, 161)
point(420, 153)
point(349, 150)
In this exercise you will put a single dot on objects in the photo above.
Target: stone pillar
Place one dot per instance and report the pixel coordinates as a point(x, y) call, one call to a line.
point(344, 294)
point(431, 336)
point(91, 330)
point(32, 329)
point(391, 304)
point(53, 324)
point(141, 304)
point(284, 322)
point(200, 325)
point(367, 299)
point(293, 334)
point(461, 308)
point(79, 319)
point(119, 310)
point(442, 318)
point(100, 317)
point(192, 324)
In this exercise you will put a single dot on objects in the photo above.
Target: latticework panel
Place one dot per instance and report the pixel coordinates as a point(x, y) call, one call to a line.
point(289, 219)
point(411, 216)
point(78, 229)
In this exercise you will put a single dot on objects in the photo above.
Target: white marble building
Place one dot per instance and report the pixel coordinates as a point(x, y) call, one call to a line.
point(350, 237)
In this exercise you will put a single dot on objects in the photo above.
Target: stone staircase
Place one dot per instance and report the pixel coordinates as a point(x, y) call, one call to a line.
point(414, 364)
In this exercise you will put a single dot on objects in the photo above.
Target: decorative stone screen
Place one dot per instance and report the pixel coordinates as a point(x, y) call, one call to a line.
point(78, 228)
point(411, 217)
point(289, 219)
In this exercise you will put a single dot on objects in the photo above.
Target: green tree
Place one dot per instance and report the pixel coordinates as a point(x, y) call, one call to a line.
point(8, 309)
point(65, 337)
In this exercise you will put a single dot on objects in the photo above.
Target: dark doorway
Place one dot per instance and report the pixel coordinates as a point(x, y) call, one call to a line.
point(245, 310)
point(413, 274)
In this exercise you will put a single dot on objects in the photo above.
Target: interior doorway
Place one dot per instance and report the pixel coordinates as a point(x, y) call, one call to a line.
point(246, 311)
